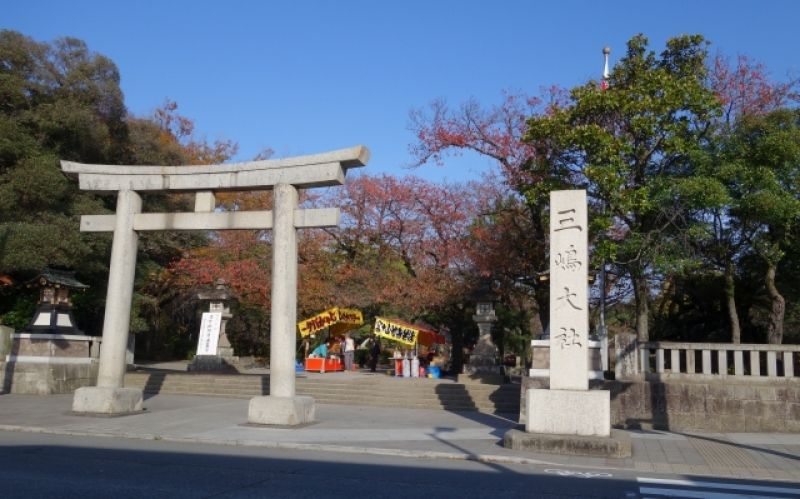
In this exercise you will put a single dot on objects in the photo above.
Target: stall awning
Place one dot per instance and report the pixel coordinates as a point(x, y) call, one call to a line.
point(340, 320)
point(406, 333)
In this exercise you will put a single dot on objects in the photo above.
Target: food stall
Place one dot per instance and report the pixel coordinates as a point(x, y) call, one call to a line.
point(409, 335)
point(337, 321)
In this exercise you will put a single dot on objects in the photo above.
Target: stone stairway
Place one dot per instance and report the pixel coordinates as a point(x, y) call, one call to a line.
point(342, 388)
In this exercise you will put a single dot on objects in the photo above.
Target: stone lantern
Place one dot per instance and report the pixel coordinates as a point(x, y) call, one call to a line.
point(483, 364)
point(54, 311)
point(51, 355)
point(222, 358)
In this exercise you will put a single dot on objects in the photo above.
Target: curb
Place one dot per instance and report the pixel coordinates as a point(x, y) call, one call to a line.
point(375, 451)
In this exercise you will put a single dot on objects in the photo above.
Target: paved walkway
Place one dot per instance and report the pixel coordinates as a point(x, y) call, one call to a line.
point(431, 434)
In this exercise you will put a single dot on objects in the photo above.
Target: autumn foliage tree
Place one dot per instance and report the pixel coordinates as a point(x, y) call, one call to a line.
point(403, 241)
point(497, 133)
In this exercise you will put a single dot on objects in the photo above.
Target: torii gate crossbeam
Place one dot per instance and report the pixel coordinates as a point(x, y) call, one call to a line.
point(284, 177)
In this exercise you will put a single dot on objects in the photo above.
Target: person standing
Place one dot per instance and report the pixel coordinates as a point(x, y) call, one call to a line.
point(374, 353)
point(349, 352)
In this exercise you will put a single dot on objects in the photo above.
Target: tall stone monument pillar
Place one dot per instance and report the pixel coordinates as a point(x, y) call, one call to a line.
point(568, 417)
point(568, 407)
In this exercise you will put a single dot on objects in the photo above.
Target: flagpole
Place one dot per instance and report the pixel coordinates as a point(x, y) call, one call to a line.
point(602, 326)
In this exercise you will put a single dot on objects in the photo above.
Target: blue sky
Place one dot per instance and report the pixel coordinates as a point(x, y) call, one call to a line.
point(308, 76)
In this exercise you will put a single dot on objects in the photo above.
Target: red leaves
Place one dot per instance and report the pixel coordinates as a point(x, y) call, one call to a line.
point(495, 132)
point(239, 257)
point(744, 88)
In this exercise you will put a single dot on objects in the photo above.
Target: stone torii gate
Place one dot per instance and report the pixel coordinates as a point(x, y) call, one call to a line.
point(284, 177)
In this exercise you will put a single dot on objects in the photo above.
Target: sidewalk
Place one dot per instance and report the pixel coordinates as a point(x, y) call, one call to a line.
point(431, 434)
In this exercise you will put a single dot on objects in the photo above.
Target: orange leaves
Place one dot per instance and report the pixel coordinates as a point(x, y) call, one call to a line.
point(239, 257)
point(179, 130)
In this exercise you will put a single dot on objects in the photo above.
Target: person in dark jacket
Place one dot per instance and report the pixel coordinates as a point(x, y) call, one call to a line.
point(374, 353)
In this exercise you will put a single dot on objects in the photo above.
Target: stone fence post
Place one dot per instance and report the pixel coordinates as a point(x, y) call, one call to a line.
point(626, 349)
point(5, 341)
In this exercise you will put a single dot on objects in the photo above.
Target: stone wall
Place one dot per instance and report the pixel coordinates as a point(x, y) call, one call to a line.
point(735, 405)
point(45, 378)
point(44, 364)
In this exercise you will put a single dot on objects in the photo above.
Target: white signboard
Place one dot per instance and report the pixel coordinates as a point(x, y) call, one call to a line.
point(209, 333)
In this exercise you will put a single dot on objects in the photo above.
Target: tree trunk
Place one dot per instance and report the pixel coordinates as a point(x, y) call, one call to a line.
point(642, 295)
point(730, 295)
point(542, 298)
point(777, 310)
point(541, 288)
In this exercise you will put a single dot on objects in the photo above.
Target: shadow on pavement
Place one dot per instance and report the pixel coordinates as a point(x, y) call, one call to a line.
point(159, 469)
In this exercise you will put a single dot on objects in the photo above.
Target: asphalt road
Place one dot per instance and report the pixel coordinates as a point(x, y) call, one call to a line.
point(35, 465)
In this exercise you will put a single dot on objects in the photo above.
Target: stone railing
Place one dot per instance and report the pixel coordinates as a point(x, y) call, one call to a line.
point(665, 360)
point(540, 366)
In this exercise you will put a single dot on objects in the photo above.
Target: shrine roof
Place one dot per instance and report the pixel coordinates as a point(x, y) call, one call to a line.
point(57, 277)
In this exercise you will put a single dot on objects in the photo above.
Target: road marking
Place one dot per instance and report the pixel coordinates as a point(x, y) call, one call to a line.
point(694, 486)
point(578, 474)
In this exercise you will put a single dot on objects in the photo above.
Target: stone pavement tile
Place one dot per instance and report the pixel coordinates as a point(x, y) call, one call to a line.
point(775, 461)
point(656, 456)
point(644, 466)
point(662, 468)
point(700, 470)
point(743, 472)
point(681, 468)
point(691, 457)
point(781, 475)
point(760, 458)
point(761, 473)
point(589, 461)
point(674, 455)
point(716, 470)
point(764, 438)
point(619, 463)
point(559, 459)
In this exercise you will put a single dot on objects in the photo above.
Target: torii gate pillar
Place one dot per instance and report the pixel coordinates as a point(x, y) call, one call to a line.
point(284, 177)
point(282, 406)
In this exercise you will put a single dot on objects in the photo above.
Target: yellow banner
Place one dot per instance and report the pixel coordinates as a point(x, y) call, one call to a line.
point(338, 319)
point(399, 332)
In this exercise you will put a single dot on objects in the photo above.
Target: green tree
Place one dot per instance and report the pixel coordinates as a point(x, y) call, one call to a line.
point(761, 169)
point(61, 101)
point(634, 146)
point(57, 101)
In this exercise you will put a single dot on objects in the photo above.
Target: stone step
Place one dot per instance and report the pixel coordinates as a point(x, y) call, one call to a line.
point(354, 399)
point(333, 393)
point(371, 391)
point(347, 384)
point(342, 392)
point(368, 401)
